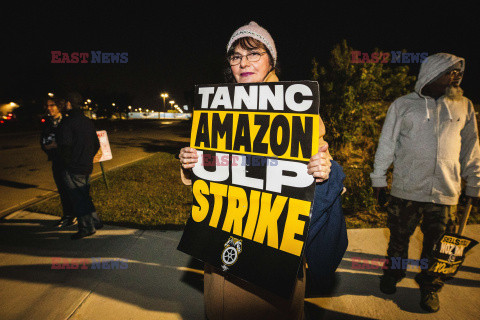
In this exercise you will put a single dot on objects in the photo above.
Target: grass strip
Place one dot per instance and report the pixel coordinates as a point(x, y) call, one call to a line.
point(147, 194)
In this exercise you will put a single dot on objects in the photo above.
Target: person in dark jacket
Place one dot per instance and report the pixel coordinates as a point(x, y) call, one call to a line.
point(48, 142)
point(78, 143)
point(327, 234)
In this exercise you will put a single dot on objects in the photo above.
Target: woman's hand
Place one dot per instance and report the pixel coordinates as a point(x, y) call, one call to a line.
point(188, 157)
point(319, 165)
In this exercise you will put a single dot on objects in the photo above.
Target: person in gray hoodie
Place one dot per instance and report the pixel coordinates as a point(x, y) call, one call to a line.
point(431, 137)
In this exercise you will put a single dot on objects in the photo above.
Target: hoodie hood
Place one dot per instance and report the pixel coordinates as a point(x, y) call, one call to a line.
point(434, 66)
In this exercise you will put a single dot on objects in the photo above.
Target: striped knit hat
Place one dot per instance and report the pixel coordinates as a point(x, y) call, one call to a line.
point(253, 30)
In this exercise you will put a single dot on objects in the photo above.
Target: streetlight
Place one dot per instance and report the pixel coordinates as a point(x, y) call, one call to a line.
point(164, 95)
point(171, 103)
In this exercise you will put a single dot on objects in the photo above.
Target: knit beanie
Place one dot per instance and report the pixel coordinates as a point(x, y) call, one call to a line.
point(253, 30)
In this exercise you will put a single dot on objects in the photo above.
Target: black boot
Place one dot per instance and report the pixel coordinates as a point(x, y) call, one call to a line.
point(65, 221)
point(429, 288)
point(85, 227)
point(96, 221)
point(429, 301)
point(388, 284)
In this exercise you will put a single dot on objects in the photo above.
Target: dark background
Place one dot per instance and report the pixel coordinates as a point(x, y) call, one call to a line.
point(171, 47)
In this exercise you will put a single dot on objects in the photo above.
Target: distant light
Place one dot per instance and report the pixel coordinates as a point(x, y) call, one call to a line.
point(50, 95)
point(43, 120)
point(113, 104)
point(88, 100)
point(12, 104)
point(130, 107)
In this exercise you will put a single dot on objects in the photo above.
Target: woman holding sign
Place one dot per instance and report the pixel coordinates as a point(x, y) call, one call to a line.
point(252, 57)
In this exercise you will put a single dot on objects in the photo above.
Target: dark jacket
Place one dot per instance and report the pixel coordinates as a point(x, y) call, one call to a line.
point(327, 236)
point(50, 135)
point(78, 143)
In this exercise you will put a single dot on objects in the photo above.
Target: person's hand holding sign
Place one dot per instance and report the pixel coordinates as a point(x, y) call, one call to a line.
point(188, 157)
point(319, 164)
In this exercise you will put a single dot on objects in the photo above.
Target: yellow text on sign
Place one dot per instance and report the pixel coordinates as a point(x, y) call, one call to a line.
point(261, 209)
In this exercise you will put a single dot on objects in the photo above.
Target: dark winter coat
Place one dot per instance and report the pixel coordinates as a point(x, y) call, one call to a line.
point(327, 236)
point(78, 143)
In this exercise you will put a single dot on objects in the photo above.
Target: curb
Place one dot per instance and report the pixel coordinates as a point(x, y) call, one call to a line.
point(11, 210)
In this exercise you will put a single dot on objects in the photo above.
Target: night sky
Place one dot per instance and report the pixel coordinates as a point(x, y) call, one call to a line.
point(173, 48)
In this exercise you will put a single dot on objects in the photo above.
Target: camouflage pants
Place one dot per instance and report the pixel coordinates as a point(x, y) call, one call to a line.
point(403, 217)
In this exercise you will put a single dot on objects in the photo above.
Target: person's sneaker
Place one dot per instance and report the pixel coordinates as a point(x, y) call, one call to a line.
point(429, 301)
point(388, 284)
point(82, 234)
point(65, 222)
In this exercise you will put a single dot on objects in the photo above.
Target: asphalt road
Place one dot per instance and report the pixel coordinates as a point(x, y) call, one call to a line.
point(26, 175)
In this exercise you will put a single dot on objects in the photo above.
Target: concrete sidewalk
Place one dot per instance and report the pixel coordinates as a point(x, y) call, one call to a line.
point(163, 283)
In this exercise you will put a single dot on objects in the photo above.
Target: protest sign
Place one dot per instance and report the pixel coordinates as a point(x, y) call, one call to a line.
point(104, 153)
point(449, 254)
point(252, 195)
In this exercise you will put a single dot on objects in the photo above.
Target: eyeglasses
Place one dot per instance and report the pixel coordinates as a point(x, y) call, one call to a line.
point(251, 57)
point(455, 73)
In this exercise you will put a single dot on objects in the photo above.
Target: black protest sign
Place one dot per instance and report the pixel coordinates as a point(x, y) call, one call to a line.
point(252, 195)
point(449, 255)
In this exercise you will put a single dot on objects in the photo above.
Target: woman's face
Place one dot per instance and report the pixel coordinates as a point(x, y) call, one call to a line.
point(53, 109)
point(247, 71)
